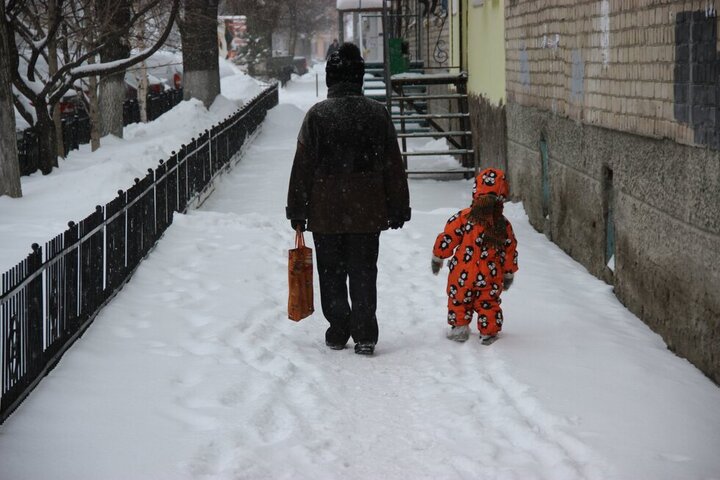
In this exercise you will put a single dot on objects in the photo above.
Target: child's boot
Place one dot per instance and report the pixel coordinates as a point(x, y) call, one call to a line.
point(459, 333)
point(487, 339)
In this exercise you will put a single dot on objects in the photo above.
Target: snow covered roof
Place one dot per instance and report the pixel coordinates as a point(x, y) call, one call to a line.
point(352, 5)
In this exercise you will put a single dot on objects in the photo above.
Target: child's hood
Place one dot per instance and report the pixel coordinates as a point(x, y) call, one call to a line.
point(491, 181)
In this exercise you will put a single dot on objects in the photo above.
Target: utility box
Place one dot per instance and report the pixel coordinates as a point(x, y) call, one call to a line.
point(399, 55)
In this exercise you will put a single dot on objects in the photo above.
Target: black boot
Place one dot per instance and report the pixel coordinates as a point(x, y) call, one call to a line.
point(335, 346)
point(365, 348)
point(336, 338)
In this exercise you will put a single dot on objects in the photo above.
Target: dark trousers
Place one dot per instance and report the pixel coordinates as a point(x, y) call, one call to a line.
point(353, 257)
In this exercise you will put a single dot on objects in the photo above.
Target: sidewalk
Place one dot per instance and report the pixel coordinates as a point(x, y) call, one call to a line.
point(194, 372)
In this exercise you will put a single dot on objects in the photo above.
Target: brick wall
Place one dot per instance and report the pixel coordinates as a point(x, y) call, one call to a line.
point(648, 67)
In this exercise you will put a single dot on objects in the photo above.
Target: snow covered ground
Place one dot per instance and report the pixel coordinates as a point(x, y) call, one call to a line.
point(194, 372)
point(86, 178)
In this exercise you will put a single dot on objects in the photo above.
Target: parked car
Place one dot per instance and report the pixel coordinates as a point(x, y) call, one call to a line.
point(71, 104)
point(155, 84)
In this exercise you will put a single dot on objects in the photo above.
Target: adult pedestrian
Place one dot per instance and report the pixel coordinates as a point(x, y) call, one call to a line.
point(348, 184)
point(334, 46)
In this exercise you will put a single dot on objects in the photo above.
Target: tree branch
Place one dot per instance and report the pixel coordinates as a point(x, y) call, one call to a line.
point(23, 111)
point(76, 70)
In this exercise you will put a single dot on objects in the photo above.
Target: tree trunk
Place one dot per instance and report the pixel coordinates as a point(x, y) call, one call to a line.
point(292, 32)
point(110, 104)
point(142, 92)
point(292, 41)
point(52, 69)
point(57, 125)
point(9, 166)
point(93, 109)
point(142, 76)
point(201, 70)
point(45, 130)
point(112, 87)
point(93, 113)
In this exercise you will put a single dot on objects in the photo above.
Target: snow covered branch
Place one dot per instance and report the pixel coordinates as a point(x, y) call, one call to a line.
point(78, 69)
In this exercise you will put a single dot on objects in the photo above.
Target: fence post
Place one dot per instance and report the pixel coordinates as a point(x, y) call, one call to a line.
point(161, 199)
point(35, 312)
point(54, 288)
point(172, 177)
point(72, 279)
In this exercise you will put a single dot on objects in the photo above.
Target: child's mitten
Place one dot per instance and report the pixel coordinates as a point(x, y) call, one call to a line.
point(507, 280)
point(436, 264)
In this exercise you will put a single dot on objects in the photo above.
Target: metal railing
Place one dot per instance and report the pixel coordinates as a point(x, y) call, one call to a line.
point(50, 298)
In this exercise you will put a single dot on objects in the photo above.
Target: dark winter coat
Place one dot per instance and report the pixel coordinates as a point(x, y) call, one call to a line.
point(348, 175)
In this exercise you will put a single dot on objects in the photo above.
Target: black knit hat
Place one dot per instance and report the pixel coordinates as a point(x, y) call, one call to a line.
point(345, 65)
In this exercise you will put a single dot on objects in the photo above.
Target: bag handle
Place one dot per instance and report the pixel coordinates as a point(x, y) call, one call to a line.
point(299, 238)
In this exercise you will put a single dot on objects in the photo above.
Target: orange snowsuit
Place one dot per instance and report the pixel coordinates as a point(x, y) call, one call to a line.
point(477, 267)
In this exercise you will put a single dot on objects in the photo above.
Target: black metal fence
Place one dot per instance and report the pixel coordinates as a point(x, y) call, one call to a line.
point(76, 127)
point(50, 298)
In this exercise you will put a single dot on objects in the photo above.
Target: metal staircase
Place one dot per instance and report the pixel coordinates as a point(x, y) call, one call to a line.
point(430, 106)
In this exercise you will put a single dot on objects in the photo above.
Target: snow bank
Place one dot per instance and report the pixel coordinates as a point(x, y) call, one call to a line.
point(86, 178)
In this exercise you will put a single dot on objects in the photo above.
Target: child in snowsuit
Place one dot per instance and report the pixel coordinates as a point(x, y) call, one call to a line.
point(482, 245)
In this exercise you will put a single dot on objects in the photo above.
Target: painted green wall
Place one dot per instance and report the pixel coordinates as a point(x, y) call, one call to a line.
point(454, 39)
point(486, 49)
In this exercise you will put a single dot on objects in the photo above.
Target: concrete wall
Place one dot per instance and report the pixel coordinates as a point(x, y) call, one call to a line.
point(623, 96)
point(488, 121)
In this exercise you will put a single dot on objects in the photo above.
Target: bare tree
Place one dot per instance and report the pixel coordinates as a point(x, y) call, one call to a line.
point(263, 17)
point(294, 17)
point(9, 167)
point(201, 70)
point(306, 17)
point(39, 91)
point(53, 66)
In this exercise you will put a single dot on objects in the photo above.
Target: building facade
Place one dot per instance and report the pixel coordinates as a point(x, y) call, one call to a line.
point(613, 138)
point(478, 48)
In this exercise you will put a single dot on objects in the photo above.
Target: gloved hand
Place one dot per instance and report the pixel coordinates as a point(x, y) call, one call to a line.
point(301, 224)
point(507, 280)
point(395, 223)
point(436, 264)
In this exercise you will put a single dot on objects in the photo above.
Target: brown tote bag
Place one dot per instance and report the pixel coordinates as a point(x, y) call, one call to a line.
point(300, 280)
